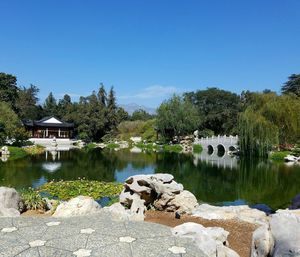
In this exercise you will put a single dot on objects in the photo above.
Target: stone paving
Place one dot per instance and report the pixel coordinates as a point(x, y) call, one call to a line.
point(93, 235)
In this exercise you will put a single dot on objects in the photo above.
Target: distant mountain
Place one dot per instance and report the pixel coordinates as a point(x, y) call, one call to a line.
point(130, 108)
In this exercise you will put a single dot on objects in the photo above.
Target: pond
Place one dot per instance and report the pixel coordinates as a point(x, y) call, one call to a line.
point(215, 180)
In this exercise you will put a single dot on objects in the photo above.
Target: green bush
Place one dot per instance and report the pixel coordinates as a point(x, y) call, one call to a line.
point(65, 190)
point(112, 145)
point(172, 148)
point(279, 156)
point(197, 148)
point(16, 153)
point(33, 200)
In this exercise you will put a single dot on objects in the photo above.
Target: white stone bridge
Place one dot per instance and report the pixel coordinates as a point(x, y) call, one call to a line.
point(218, 144)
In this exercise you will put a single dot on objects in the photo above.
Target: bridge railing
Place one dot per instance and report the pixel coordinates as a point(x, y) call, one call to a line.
point(218, 139)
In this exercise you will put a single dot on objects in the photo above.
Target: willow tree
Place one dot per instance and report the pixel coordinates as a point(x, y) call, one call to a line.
point(257, 134)
point(269, 121)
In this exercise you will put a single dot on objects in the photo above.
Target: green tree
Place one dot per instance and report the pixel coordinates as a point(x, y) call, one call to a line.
point(111, 115)
point(8, 89)
point(64, 107)
point(176, 117)
point(102, 95)
point(292, 85)
point(27, 103)
point(50, 105)
point(219, 108)
point(141, 115)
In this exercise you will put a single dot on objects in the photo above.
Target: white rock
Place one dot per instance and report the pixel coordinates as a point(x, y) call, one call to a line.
point(53, 223)
point(242, 212)
point(118, 212)
point(209, 240)
point(8, 212)
point(185, 202)
point(127, 239)
point(37, 243)
point(80, 205)
point(9, 230)
point(82, 253)
point(87, 231)
point(285, 228)
point(9, 198)
point(262, 242)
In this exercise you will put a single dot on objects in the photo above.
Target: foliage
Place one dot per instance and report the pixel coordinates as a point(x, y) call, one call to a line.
point(65, 190)
point(90, 146)
point(172, 148)
point(292, 85)
point(197, 148)
point(144, 129)
point(219, 109)
point(279, 155)
point(141, 115)
point(8, 90)
point(268, 121)
point(148, 146)
point(177, 116)
point(50, 105)
point(16, 153)
point(33, 200)
point(112, 145)
point(34, 149)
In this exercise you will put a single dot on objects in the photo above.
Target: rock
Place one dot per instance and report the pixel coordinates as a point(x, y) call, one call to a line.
point(285, 228)
point(80, 205)
point(242, 212)
point(9, 198)
point(295, 203)
point(212, 241)
point(136, 139)
point(8, 212)
point(262, 242)
point(158, 190)
point(118, 212)
point(185, 202)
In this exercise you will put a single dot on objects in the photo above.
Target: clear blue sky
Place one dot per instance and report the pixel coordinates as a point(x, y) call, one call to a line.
point(149, 49)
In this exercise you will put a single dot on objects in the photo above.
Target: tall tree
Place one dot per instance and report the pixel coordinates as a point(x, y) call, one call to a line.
point(111, 115)
point(27, 103)
point(177, 116)
point(102, 95)
point(50, 105)
point(8, 89)
point(292, 85)
point(219, 107)
point(141, 115)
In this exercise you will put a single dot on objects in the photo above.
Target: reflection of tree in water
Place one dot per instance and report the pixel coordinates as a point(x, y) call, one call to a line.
point(255, 181)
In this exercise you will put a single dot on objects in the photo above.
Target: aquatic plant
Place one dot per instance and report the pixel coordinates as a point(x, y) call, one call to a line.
point(197, 148)
point(33, 200)
point(172, 148)
point(65, 190)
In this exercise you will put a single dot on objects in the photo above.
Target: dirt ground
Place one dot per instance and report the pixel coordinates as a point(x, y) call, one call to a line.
point(240, 233)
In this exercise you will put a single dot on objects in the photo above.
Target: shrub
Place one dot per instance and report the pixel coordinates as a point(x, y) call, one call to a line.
point(16, 153)
point(112, 145)
point(197, 148)
point(279, 156)
point(33, 200)
point(172, 148)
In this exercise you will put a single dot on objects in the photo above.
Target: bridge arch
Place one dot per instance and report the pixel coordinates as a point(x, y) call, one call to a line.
point(221, 150)
point(210, 149)
point(232, 148)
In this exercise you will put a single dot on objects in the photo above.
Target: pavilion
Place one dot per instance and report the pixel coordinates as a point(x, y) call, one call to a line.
point(49, 127)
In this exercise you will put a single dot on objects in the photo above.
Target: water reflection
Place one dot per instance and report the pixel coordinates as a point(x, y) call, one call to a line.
point(213, 179)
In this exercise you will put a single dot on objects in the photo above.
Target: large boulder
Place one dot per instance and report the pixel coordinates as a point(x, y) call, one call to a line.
point(80, 205)
point(212, 240)
point(285, 228)
point(242, 212)
point(262, 242)
point(157, 190)
point(119, 212)
point(10, 202)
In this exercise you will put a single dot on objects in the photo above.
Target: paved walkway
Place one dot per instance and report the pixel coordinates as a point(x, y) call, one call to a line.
point(94, 235)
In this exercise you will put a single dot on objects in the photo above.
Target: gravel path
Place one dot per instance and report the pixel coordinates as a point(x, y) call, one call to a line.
point(94, 235)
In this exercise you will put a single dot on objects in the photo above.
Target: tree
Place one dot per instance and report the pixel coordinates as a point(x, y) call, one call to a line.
point(64, 107)
point(27, 103)
point(10, 125)
point(102, 95)
point(292, 85)
point(8, 89)
point(220, 109)
point(50, 106)
point(111, 115)
point(141, 115)
point(176, 117)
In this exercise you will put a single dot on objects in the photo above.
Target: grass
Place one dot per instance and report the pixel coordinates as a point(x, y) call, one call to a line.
point(65, 190)
point(172, 148)
point(90, 146)
point(197, 148)
point(112, 145)
point(148, 147)
point(279, 156)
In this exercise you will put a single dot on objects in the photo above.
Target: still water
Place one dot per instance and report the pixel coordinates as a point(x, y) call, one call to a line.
point(218, 180)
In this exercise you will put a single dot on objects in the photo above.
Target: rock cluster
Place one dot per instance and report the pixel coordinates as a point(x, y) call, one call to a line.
point(159, 191)
point(10, 202)
point(212, 240)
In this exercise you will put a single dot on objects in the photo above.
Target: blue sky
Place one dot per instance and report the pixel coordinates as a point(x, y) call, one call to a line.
point(149, 49)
